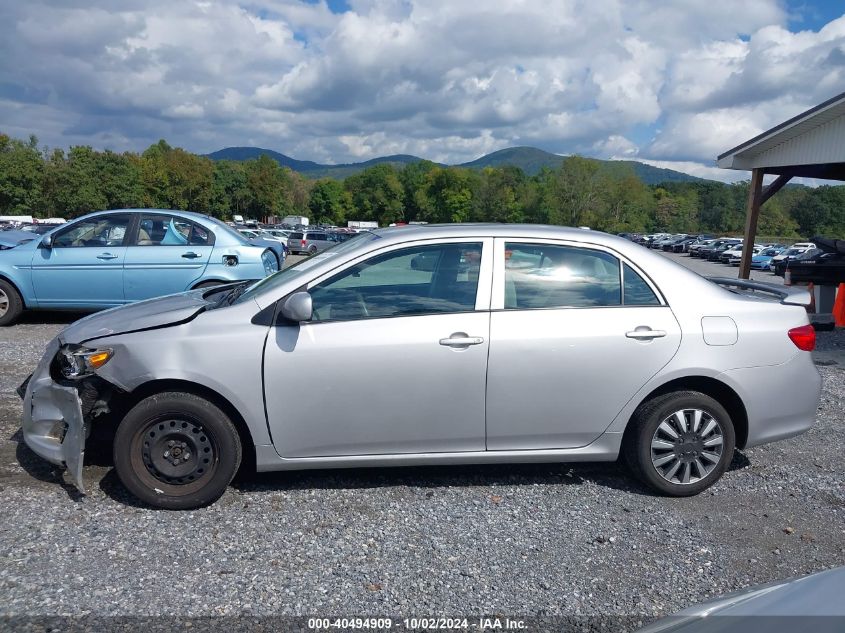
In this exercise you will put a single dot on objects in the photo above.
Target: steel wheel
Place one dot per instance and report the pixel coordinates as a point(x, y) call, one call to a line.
point(4, 303)
point(686, 446)
point(178, 451)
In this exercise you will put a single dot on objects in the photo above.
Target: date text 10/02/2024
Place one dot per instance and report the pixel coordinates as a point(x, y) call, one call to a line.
point(422, 623)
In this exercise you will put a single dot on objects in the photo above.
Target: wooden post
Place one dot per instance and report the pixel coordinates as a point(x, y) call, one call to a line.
point(755, 193)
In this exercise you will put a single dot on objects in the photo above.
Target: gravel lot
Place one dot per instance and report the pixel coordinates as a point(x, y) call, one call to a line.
point(550, 539)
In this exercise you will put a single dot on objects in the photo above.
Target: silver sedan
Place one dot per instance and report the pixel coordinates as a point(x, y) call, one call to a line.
point(512, 344)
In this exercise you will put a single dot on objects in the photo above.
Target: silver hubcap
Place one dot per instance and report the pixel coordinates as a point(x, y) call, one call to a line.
point(4, 303)
point(687, 446)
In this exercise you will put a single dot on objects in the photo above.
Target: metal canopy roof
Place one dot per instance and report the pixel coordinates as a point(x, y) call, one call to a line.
point(811, 145)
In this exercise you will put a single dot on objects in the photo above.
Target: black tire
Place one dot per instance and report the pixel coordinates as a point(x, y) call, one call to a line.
point(312, 250)
point(176, 427)
point(637, 447)
point(11, 304)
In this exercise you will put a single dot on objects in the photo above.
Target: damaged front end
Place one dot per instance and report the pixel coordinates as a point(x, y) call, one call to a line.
point(60, 403)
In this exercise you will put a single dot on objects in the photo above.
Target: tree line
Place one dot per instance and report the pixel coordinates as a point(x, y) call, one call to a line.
point(581, 192)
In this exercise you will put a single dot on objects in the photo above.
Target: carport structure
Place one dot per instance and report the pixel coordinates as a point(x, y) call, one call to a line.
point(810, 145)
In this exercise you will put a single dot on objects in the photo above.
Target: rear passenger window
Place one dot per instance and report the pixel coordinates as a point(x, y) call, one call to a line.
point(166, 230)
point(637, 291)
point(549, 276)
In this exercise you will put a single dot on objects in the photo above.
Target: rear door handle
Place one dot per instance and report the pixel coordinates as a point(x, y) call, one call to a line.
point(191, 255)
point(461, 339)
point(106, 256)
point(645, 333)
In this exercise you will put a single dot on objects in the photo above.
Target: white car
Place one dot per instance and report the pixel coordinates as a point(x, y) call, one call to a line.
point(734, 255)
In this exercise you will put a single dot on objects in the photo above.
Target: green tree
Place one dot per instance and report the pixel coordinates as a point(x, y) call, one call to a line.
point(329, 202)
point(21, 176)
point(376, 195)
point(72, 183)
point(230, 192)
point(500, 195)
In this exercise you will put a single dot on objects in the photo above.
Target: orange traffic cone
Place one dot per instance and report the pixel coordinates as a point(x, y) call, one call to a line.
point(812, 290)
point(839, 307)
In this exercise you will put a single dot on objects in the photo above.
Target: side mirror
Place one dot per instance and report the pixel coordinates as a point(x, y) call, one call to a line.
point(47, 241)
point(297, 307)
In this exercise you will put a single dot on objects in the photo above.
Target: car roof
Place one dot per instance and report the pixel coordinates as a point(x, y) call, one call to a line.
point(187, 214)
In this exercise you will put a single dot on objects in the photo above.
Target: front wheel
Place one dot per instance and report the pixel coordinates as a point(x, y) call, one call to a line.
point(11, 304)
point(680, 443)
point(176, 451)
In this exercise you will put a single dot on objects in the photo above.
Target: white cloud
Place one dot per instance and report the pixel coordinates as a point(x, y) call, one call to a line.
point(441, 79)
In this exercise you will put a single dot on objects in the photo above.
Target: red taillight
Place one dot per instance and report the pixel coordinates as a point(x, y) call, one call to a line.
point(804, 337)
point(303, 243)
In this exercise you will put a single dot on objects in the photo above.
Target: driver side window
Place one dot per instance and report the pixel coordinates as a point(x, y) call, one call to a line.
point(109, 230)
point(419, 280)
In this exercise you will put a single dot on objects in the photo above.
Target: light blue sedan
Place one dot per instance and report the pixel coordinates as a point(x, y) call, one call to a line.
point(109, 258)
point(764, 258)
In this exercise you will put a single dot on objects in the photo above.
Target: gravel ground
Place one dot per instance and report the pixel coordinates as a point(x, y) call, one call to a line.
point(532, 540)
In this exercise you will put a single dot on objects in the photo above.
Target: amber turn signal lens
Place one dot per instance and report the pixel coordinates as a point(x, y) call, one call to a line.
point(99, 359)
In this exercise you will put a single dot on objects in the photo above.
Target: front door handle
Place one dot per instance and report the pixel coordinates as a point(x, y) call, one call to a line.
point(191, 255)
point(645, 333)
point(461, 339)
point(106, 256)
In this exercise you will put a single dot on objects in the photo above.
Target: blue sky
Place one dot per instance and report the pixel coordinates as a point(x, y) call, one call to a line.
point(672, 83)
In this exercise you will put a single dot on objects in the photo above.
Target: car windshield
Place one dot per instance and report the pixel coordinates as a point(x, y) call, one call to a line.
point(283, 276)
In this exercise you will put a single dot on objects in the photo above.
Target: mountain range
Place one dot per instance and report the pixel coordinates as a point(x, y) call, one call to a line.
point(530, 159)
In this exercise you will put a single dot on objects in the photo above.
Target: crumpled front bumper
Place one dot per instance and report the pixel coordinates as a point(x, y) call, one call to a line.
point(53, 425)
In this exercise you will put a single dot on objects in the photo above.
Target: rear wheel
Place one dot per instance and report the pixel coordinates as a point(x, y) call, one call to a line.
point(176, 451)
point(11, 304)
point(312, 250)
point(680, 443)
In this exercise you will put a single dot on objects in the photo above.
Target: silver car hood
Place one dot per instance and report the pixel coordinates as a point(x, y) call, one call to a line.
point(143, 315)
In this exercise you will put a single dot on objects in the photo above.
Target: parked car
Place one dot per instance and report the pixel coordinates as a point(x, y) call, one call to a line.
point(668, 240)
point(668, 243)
point(807, 603)
point(681, 246)
point(650, 240)
point(255, 238)
point(785, 255)
point(523, 344)
point(694, 249)
point(279, 234)
point(311, 242)
point(38, 229)
point(734, 254)
point(704, 251)
point(761, 260)
point(109, 258)
point(714, 252)
point(823, 265)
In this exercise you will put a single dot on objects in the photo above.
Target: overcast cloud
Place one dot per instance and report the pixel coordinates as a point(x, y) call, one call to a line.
point(672, 83)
